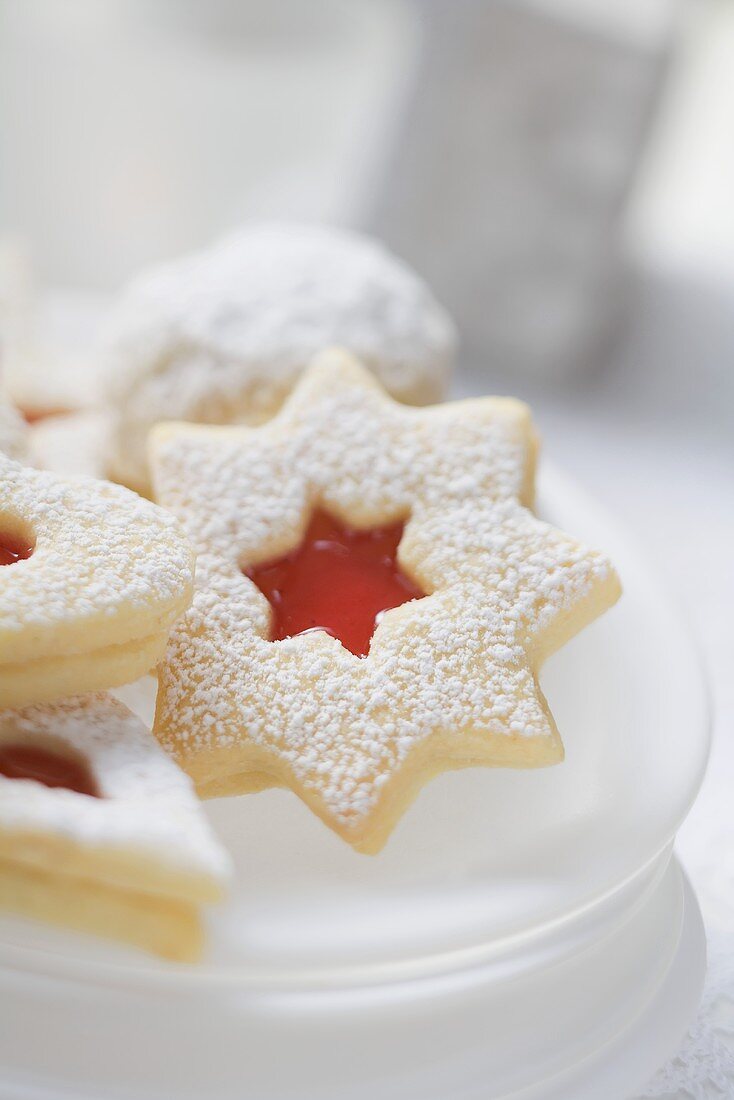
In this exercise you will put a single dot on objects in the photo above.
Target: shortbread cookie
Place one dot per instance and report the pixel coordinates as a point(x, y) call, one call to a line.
point(100, 831)
point(44, 381)
point(221, 337)
point(317, 536)
point(13, 432)
point(47, 342)
point(91, 579)
point(73, 444)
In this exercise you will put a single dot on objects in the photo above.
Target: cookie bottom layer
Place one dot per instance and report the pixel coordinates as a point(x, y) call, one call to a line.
point(118, 868)
point(162, 926)
point(49, 678)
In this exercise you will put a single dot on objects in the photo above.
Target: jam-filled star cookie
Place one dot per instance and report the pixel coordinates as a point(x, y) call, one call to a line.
point(91, 578)
point(221, 337)
point(373, 599)
point(100, 831)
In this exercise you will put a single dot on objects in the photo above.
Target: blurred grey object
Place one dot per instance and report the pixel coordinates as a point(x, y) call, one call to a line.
point(506, 184)
point(491, 142)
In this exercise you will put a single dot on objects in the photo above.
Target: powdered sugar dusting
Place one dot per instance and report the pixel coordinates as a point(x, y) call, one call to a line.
point(460, 660)
point(107, 566)
point(147, 806)
point(221, 337)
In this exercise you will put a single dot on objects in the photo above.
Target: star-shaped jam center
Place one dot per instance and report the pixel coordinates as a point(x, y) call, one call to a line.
point(339, 580)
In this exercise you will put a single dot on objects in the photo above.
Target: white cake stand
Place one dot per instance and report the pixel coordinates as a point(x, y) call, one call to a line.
point(524, 934)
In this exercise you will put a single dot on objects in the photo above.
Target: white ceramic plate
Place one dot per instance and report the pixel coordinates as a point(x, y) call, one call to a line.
point(484, 857)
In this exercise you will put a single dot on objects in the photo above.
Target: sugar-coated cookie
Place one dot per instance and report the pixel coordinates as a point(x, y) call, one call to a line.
point(348, 525)
point(100, 831)
point(91, 578)
point(221, 337)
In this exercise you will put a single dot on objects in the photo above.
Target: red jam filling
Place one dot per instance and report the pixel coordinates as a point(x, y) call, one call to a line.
point(338, 580)
point(34, 416)
point(13, 549)
point(50, 768)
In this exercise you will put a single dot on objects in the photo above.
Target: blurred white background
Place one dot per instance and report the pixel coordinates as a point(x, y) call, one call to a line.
point(133, 130)
point(562, 172)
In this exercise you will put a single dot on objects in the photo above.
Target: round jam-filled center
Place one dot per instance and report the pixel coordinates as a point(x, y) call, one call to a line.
point(338, 580)
point(13, 549)
point(53, 769)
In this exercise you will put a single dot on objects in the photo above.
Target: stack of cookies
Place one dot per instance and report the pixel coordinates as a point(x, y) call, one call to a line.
point(99, 829)
point(342, 593)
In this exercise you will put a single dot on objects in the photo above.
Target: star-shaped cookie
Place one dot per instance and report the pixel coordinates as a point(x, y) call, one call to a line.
point(450, 679)
point(91, 578)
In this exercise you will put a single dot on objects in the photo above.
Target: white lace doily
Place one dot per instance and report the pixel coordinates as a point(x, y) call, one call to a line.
point(703, 1068)
point(697, 559)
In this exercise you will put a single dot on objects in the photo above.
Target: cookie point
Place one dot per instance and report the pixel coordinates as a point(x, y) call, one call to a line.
point(338, 363)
